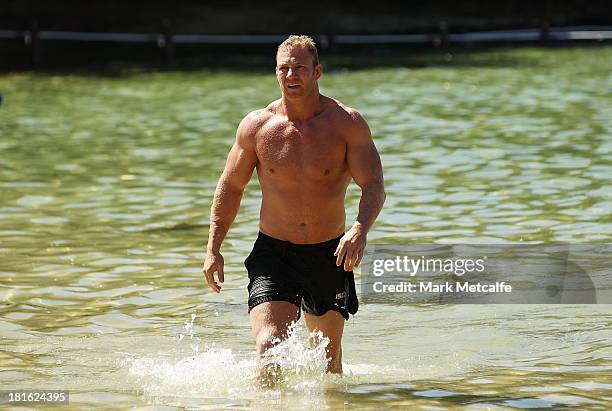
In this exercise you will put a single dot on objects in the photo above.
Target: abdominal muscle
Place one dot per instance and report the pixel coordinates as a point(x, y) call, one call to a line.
point(302, 216)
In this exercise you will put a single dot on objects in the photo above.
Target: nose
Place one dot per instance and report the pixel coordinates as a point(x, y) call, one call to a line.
point(290, 72)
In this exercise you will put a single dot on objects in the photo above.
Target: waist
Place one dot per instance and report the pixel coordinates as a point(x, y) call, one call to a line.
point(297, 226)
point(332, 243)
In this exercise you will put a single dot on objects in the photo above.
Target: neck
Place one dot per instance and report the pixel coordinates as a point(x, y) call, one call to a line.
point(302, 109)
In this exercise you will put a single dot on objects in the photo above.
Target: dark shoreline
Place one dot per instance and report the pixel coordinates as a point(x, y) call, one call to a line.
point(438, 19)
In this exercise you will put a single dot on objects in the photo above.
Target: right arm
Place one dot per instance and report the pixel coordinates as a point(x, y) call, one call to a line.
point(238, 170)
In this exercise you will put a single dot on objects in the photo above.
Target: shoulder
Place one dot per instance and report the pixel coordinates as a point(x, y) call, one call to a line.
point(252, 123)
point(348, 119)
point(254, 120)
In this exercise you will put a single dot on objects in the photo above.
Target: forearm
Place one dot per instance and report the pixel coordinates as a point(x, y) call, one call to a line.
point(372, 200)
point(226, 204)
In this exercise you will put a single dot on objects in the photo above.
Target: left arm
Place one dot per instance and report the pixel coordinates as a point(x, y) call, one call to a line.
point(366, 169)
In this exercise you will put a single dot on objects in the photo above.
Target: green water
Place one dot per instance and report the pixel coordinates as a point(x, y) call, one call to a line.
point(105, 190)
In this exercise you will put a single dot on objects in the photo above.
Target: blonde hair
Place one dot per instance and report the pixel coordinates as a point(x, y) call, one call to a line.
point(301, 41)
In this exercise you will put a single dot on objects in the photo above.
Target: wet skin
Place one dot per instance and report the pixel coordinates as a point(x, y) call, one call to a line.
point(303, 173)
point(306, 147)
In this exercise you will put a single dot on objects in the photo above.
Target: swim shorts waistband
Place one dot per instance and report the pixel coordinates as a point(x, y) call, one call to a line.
point(283, 243)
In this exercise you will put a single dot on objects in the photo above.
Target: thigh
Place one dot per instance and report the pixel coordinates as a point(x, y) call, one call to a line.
point(272, 318)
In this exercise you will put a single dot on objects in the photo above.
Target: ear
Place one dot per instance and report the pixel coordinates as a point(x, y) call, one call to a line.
point(318, 70)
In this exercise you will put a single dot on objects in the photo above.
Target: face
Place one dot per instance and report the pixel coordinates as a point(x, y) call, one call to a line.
point(296, 73)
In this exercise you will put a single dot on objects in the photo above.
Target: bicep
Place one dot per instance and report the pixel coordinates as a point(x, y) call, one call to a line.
point(362, 157)
point(241, 159)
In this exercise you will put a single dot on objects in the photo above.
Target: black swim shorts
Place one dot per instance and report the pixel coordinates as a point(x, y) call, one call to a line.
point(303, 274)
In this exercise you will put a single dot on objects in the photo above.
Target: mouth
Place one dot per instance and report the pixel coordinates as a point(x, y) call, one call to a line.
point(293, 86)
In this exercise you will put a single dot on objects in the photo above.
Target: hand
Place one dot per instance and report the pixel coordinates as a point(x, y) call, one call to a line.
point(351, 247)
point(214, 262)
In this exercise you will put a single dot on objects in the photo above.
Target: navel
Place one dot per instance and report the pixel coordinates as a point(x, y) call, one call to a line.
point(302, 225)
point(327, 171)
point(272, 171)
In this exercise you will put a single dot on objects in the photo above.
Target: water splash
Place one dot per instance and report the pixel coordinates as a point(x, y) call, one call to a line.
point(302, 363)
point(223, 373)
point(188, 328)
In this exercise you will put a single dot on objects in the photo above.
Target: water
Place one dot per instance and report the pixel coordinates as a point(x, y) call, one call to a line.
point(106, 186)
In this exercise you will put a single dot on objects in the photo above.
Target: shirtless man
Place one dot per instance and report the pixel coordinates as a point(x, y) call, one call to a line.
point(306, 147)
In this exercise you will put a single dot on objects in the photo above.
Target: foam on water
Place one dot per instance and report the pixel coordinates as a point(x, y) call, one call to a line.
point(214, 372)
point(221, 373)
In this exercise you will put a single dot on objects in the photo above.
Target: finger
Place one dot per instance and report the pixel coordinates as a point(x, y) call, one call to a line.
point(212, 284)
point(347, 255)
point(211, 281)
point(338, 247)
point(340, 254)
point(220, 272)
point(359, 256)
point(349, 259)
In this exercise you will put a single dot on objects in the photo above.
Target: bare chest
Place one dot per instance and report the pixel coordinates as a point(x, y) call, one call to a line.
point(313, 152)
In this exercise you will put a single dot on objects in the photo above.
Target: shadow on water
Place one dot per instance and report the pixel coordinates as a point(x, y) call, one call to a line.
point(403, 394)
point(262, 61)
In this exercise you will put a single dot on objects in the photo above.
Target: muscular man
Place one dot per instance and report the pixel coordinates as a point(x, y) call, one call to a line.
point(306, 147)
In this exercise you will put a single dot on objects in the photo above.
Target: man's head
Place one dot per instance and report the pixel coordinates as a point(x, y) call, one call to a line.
point(297, 66)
